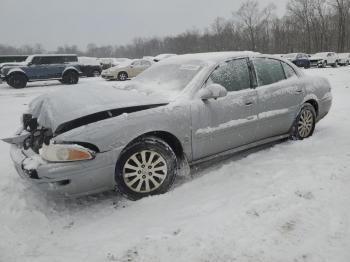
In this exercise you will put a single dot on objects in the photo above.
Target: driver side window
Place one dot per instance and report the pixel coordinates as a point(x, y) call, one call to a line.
point(233, 75)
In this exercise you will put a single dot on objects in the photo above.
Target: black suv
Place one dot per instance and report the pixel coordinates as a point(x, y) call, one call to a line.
point(64, 68)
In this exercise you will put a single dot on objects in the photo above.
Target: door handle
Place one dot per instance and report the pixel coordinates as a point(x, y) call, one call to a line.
point(299, 92)
point(249, 103)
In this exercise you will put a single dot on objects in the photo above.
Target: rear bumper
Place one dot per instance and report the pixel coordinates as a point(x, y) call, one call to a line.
point(66, 179)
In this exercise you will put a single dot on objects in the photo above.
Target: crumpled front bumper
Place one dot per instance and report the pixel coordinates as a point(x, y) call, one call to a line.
point(70, 179)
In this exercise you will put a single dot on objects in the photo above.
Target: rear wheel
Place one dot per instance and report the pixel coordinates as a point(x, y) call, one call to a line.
point(122, 76)
point(335, 64)
point(70, 78)
point(305, 122)
point(147, 167)
point(17, 80)
point(96, 73)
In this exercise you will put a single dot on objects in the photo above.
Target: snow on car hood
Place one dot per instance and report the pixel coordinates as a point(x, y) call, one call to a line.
point(72, 103)
point(12, 64)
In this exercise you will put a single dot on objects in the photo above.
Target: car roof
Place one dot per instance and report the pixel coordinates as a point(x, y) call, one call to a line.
point(213, 57)
point(54, 55)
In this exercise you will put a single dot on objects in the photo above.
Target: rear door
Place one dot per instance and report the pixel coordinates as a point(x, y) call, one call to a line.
point(221, 124)
point(279, 96)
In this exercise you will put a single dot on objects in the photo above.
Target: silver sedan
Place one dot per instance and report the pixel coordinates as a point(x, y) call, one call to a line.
point(134, 136)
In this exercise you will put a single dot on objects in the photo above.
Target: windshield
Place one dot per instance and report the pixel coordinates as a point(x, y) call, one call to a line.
point(166, 79)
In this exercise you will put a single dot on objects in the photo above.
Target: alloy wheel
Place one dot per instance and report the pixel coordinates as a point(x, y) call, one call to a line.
point(305, 123)
point(144, 171)
point(123, 77)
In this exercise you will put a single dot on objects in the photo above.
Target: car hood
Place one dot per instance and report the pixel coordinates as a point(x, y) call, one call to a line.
point(11, 64)
point(71, 107)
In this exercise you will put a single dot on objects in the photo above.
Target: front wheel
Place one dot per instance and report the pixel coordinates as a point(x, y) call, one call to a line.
point(147, 167)
point(305, 122)
point(17, 80)
point(122, 76)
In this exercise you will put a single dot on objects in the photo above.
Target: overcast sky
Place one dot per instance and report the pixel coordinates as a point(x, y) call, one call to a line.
point(59, 22)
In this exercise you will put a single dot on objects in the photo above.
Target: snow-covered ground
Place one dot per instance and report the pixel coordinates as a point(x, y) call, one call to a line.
point(288, 202)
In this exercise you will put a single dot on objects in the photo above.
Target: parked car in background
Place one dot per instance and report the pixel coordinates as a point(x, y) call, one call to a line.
point(344, 59)
point(90, 66)
point(134, 137)
point(126, 70)
point(299, 59)
point(162, 57)
point(12, 58)
point(324, 59)
point(64, 68)
point(110, 62)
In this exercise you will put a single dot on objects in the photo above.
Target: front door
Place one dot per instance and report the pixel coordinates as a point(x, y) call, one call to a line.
point(228, 122)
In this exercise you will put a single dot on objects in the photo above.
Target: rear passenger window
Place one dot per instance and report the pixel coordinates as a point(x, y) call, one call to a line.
point(288, 70)
point(233, 75)
point(268, 71)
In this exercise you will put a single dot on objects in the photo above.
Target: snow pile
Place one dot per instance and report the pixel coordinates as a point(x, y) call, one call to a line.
point(289, 202)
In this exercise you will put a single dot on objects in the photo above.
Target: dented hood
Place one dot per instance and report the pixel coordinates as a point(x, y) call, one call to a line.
point(89, 103)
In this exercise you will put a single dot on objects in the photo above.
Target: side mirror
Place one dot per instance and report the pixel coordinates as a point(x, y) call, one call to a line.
point(30, 63)
point(212, 91)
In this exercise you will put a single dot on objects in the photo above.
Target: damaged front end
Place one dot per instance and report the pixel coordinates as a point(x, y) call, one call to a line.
point(62, 170)
point(31, 135)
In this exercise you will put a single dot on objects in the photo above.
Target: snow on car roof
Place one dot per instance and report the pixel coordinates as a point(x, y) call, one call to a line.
point(213, 57)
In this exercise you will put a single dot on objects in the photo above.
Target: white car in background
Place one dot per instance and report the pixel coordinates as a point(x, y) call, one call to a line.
point(126, 70)
point(162, 57)
point(344, 59)
point(324, 59)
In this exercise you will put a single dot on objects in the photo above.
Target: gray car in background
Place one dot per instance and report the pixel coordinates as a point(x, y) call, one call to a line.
point(135, 135)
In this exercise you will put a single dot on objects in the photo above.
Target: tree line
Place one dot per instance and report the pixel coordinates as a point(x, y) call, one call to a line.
point(308, 26)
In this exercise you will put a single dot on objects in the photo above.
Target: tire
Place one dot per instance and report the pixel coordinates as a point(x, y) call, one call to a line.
point(70, 78)
point(335, 64)
point(17, 80)
point(146, 167)
point(347, 63)
point(96, 73)
point(122, 76)
point(324, 64)
point(305, 122)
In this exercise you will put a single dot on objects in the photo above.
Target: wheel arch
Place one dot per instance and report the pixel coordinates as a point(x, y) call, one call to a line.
point(314, 103)
point(16, 71)
point(69, 69)
point(168, 137)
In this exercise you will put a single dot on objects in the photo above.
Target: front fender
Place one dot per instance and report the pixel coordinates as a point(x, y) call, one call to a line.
point(118, 132)
point(15, 70)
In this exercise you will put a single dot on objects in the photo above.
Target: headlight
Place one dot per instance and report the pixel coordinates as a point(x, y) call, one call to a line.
point(65, 153)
